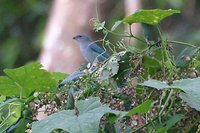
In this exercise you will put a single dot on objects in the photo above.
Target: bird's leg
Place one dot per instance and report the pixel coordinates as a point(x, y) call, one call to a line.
point(94, 64)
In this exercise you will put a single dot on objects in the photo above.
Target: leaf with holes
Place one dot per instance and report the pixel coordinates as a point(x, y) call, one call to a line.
point(152, 17)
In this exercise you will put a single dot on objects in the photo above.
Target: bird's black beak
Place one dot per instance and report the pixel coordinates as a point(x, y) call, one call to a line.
point(74, 38)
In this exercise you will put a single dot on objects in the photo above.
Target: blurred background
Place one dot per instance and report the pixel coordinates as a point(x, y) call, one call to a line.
point(42, 30)
point(22, 25)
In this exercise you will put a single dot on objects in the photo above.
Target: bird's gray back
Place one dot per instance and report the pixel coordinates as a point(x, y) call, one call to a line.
point(88, 54)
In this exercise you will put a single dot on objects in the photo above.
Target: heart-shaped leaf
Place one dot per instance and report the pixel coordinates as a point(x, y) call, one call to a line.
point(85, 119)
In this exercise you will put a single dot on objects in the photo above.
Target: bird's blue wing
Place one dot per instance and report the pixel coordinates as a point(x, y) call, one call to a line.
point(99, 50)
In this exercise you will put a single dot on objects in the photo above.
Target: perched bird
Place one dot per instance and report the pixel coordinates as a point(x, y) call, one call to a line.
point(90, 50)
point(151, 34)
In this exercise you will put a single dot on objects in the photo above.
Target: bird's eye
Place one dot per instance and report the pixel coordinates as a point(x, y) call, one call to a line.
point(79, 36)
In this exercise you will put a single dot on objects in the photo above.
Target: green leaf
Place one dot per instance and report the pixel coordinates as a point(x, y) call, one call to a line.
point(7, 86)
point(168, 124)
point(70, 98)
point(191, 87)
point(142, 108)
point(25, 80)
point(2, 98)
point(190, 100)
point(8, 101)
point(58, 76)
point(118, 65)
point(125, 67)
point(151, 64)
point(21, 125)
point(152, 17)
point(89, 114)
point(155, 84)
point(99, 26)
point(116, 24)
point(9, 114)
point(110, 68)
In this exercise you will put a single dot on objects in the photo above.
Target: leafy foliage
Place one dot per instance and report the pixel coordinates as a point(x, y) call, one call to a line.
point(168, 124)
point(21, 83)
point(85, 118)
point(143, 108)
point(10, 112)
point(26, 80)
point(135, 90)
point(191, 87)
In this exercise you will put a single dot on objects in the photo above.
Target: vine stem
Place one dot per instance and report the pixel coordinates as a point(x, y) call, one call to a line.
point(165, 104)
point(97, 15)
point(160, 113)
point(144, 125)
point(121, 35)
point(184, 43)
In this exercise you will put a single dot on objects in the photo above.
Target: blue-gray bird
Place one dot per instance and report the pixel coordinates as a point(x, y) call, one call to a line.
point(90, 50)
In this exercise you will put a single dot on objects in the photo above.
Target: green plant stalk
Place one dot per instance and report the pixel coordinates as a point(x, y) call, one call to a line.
point(130, 30)
point(121, 35)
point(29, 99)
point(164, 46)
point(21, 90)
point(131, 33)
point(162, 97)
point(165, 104)
point(101, 40)
point(112, 49)
point(4, 121)
point(145, 125)
point(183, 43)
point(120, 44)
point(152, 125)
point(8, 116)
point(150, 94)
point(165, 54)
point(96, 4)
point(170, 106)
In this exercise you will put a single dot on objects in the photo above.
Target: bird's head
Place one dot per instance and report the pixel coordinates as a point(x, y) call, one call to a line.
point(81, 38)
